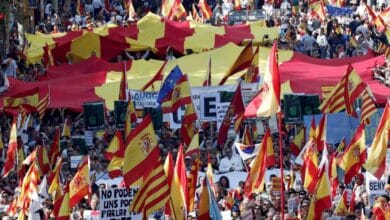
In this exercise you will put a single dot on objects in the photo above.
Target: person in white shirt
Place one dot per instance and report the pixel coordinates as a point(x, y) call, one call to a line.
point(322, 43)
point(230, 162)
point(227, 6)
point(12, 68)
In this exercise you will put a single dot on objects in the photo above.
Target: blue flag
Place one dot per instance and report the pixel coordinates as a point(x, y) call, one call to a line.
point(169, 84)
point(215, 213)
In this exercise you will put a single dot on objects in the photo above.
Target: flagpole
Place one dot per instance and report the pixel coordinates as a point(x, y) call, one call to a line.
point(281, 163)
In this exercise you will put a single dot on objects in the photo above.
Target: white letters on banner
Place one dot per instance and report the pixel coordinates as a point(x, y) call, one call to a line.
point(114, 203)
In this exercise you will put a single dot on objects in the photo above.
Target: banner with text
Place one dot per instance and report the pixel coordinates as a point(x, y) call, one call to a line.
point(114, 203)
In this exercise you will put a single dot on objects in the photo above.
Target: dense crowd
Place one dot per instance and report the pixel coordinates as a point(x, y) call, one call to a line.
point(335, 37)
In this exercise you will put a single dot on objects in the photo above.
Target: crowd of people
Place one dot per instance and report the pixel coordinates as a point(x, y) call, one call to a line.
point(334, 37)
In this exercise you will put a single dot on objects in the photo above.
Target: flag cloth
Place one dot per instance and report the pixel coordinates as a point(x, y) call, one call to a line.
point(55, 149)
point(368, 107)
point(43, 103)
point(376, 159)
point(344, 93)
point(195, 16)
point(55, 189)
point(247, 152)
point(267, 101)
point(354, 155)
point(193, 148)
point(131, 10)
point(116, 143)
point(341, 146)
point(79, 8)
point(188, 129)
point(247, 136)
point(141, 148)
point(310, 167)
point(115, 165)
point(43, 159)
point(123, 84)
point(318, 8)
point(313, 128)
point(298, 142)
point(208, 207)
point(209, 171)
point(178, 11)
point(254, 182)
point(154, 192)
point(322, 196)
point(169, 84)
point(342, 207)
point(205, 9)
point(180, 95)
point(157, 77)
point(192, 184)
point(168, 170)
point(235, 109)
point(61, 208)
point(28, 100)
point(252, 74)
point(242, 62)
point(79, 185)
point(47, 58)
point(66, 129)
point(131, 117)
point(166, 7)
point(321, 133)
point(29, 185)
point(207, 81)
point(11, 151)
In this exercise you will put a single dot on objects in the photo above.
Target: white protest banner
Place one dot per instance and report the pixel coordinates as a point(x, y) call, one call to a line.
point(374, 187)
point(143, 99)
point(208, 106)
point(75, 160)
point(221, 112)
point(115, 202)
point(91, 215)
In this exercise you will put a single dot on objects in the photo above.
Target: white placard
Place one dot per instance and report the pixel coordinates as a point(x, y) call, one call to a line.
point(374, 187)
point(75, 160)
point(114, 203)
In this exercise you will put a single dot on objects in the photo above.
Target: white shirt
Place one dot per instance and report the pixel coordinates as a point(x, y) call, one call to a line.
point(235, 162)
point(11, 68)
point(48, 9)
point(226, 7)
point(321, 41)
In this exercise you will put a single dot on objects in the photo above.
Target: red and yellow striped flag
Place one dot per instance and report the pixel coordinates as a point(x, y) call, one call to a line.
point(376, 159)
point(66, 128)
point(205, 9)
point(267, 101)
point(55, 189)
point(354, 156)
point(321, 133)
point(166, 7)
point(11, 152)
point(247, 136)
point(181, 95)
point(188, 128)
point(79, 185)
point(310, 167)
point(342, 207)
point(168, 170)
point(178, 11)
point(116, 143)
point(321, 199)
point(55, 149)
point(318, 8)
point(29, 185)
point(192, 184)
point(154, 192)
point(313, 128)
point(298, 142)
point(28, 100)
point(141, 148)
point(42, 104)
point(368, 107)
point(117, 153)
point(61, 207)
point(123, 84)
point(157, 77)
point(193, 148)
point(131, 117)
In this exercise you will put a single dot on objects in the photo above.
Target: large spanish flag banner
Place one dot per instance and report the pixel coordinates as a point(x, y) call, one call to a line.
point(141, 148)
point(12, 148)
point(354, 156)
point(376, 159)
point(28, 99)
point(267, 101)
point(79, 185)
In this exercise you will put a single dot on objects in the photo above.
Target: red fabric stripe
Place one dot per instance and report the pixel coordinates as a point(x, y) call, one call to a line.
point(149, 191)
point(80, 194)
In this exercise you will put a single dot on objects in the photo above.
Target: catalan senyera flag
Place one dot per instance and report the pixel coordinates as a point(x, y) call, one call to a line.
point(131, 117)
point(116, 143)
point(207, 81)
point(188, 129)
point(254, 182)
point(247, 136)
point(192, 183)
point(168, 170)
point(55, 149)
point(267, 101)
point(154, 192)
point(141, 148)
point(321, 133)
point(376, 159)
point(181, 95)
point(339, 98)
point(193, 148)
point(28, 100)
point(179, 188)
point(205, 9)
point(157, 77)
point(310, 166)
point(236, 108)
point(66, 129)
point(297, 143)
point(55, 189)
point(61, 209)
point(123, 84)
point(43, 103)
point(354, 155)
point(79, 185)
point(242, 62)
point(342, 207)
point(29, 186)
point(166, 7)
point(368, 107)
point(11, 152)
point(178, 11)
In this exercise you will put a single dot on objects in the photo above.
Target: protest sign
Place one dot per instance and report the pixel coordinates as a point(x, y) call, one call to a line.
point(91, 215)
point(115, 202)
point(94, 116)
point(75, 160)
point(276, 185)
point(374, 187)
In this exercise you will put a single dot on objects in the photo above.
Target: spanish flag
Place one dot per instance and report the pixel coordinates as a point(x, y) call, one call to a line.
point(254, 182)
point(188, 128)
point(11, 152)
point(208, 207)
point(267, 101)
point(29, 185)
point(193, 148)
point(154, 192)
point(55, 189)
point(141, 148)
point(61, 207)
point(66, 128)
point(322, 196)
point(181, 95)
point(376, 159)
point(55, 149)
point(192, 184)
point(310, 166)
point(205, 9)
point(168, 170)
point(355, 155)
point(116, 143)
point(114, 167)
point(43, 159)
point(321, 133)
point(179, 188)
point(79, 185)
point(297, 143)
point(242, 62)
point(247, 136)
point(28, 100)
point(313, 129)
point(342, 207)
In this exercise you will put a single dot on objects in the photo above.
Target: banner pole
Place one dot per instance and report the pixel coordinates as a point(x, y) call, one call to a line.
point(281, 163)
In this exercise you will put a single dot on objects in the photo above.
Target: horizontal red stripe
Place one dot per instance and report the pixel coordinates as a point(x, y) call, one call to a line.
point(152, 205)
point(80, 194)
point(145, 188)
point(150, 191)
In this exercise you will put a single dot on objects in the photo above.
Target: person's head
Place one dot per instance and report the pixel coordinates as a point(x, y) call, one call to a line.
point(94, 202)
point(224, 182)
point(235, 212)
point(359, 179)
